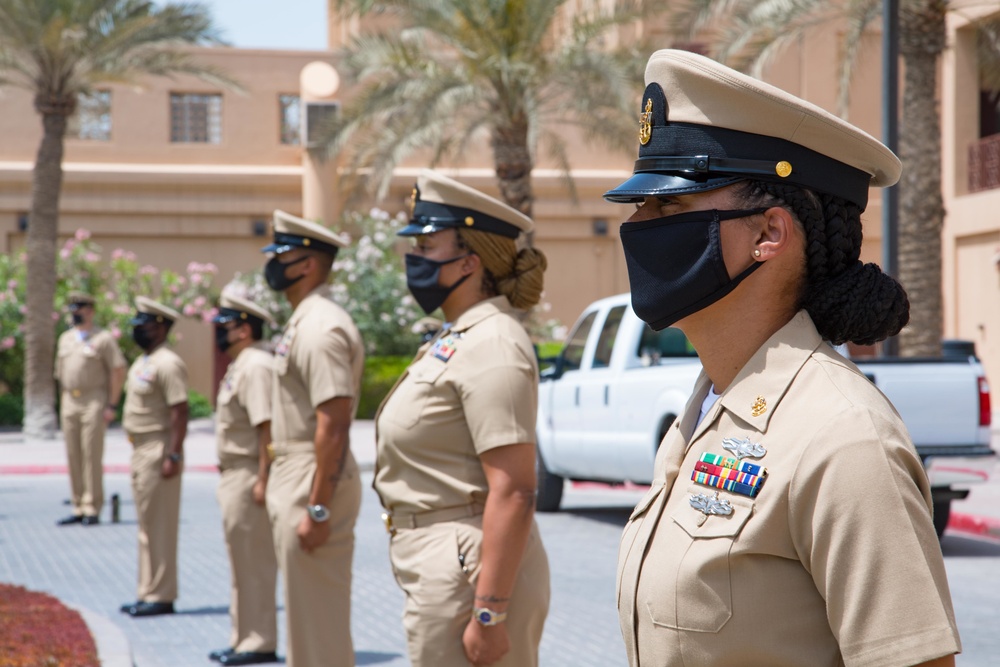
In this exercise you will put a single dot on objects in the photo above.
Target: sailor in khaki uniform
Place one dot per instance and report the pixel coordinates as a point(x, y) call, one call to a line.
point(314, 492)
point(155, 417)
point(789, 520)
point(243, 433)
point(90, 370)
point(456, 439)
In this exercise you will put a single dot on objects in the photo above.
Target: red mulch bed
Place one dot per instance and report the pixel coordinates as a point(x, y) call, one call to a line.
point(36, 630)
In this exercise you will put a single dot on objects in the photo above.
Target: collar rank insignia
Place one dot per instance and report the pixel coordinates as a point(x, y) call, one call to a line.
point(743, 448)
point(707, 504)
point(720, 472)
point(444, 348)
point(759, 407)
point(645, 126)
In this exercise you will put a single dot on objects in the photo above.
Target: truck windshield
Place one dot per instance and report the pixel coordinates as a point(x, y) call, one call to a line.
point(606, 341)
point(573, 352)
point(670, 343)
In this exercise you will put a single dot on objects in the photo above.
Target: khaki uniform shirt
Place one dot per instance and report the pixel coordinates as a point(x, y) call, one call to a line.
point(320, 357)
point(84, 363)
point(155, 383)
point(472, 389)
point(243, 404)
point(834, 562)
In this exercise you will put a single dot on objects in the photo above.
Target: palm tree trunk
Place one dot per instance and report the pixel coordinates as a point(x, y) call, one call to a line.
point(512, 163)
point(922, 39)
point(43, 226)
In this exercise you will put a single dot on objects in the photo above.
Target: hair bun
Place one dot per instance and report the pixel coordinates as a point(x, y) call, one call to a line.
point(861, 304)
point(523, 286)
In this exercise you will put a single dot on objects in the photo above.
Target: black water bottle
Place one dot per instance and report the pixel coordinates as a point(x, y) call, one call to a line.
point(115, 508)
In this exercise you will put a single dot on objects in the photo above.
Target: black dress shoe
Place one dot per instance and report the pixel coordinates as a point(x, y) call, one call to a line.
point(248, 658)
point(128, 605)
point(70, 520)
point(90, 520)
point(218, 653)
point(140, 609)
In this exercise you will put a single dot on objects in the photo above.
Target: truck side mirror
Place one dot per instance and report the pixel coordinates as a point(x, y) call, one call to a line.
point(551, 368)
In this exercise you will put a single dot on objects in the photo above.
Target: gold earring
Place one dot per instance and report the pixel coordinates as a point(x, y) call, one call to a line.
point(756, 253)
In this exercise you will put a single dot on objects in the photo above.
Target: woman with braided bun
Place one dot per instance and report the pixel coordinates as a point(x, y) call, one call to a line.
point(789, 518)
point(455, 462)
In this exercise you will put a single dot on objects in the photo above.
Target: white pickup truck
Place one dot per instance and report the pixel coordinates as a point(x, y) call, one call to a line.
point(606, 401)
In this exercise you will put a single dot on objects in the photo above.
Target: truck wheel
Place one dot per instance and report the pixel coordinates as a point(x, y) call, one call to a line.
point(550, 488)
point(942, 512)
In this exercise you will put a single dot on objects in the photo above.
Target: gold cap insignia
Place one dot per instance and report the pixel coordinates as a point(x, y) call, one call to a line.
point(759, 407)
point(645, 127)
point(306, 242)
point(783, 169)
point(413, 200)
point(469, 221)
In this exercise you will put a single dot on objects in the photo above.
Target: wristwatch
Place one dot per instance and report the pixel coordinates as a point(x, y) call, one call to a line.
point(488, 617)
point(318, 513)
point(175, 457)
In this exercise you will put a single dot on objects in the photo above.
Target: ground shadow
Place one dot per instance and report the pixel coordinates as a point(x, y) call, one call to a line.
point(373, 657)
point(614, 515)
point(960, 546)
point(203, 611)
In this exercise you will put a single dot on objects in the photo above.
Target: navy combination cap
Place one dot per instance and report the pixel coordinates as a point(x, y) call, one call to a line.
point(703, 126)
point(77, 300)
point(235, 309)
point(293, 232)
point(153, 311)
point(439, 202)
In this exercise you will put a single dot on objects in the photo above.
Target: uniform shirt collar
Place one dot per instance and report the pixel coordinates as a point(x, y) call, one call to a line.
point(318, 292)
point(480, 311)
point(763, 381)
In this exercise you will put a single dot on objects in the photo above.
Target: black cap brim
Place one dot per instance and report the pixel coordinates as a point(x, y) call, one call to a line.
point(649, 184)
point(277, 248)
point(416, 229)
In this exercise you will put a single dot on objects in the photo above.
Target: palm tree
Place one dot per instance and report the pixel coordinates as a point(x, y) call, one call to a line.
point(512, 70)
point(747, 34)
point(59, 50)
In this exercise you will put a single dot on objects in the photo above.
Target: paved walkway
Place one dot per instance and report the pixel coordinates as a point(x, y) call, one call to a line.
point(94, 569)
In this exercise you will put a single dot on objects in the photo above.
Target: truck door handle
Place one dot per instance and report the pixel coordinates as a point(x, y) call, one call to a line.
point(605, 394)
point(576, 397)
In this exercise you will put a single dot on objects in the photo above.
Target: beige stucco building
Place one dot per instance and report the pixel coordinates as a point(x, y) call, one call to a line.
point(182, 171)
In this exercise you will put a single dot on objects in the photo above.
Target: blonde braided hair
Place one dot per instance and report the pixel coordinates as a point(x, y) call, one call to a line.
point(515, 274)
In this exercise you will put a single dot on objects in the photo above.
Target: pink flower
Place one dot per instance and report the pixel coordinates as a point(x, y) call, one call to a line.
point(7, 343)
point(109, 295)
point(208, 315)
point(199, 302)
point(116, 332)
point(92, 257)
point(148, 270)
point(117, 253)
point(82, 234)
point(64, 253)
point(190, 310)
point(196, 279)
point(55, 317)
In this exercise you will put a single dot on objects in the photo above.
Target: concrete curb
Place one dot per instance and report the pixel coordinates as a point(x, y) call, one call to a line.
point(113, 648)
point(979, 526)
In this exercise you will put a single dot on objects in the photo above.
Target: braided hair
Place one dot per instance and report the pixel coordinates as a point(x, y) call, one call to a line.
point(846, 299)
point(516, 274)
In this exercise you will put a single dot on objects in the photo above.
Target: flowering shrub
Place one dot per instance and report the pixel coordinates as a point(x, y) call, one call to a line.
point(36, 629)
point(114, 284)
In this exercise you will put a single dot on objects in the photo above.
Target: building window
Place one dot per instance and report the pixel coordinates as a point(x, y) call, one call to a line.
point(195, 118)
point(92, 120)
point(290, 109)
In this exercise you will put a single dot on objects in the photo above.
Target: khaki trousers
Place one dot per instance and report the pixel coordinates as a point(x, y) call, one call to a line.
point(317, 585)
point(253, 608)
point(158, 509)
point(82, 423)
point(440, 593)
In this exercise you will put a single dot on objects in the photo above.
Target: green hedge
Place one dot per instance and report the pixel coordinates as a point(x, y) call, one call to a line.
point(380, 374)
point(11, 410)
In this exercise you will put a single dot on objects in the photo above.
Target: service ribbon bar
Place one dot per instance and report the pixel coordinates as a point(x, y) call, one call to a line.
point(742, 466)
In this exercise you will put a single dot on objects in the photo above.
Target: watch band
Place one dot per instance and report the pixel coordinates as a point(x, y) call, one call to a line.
point(488, 617)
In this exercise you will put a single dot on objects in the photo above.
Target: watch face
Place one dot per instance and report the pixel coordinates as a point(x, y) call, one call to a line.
point(319, 513)
point(485, 616)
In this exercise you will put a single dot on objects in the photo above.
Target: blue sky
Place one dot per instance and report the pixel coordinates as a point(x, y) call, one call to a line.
point(271, 24)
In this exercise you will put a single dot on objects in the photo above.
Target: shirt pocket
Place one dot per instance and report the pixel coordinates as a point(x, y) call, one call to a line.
point(704, 544)
point(413, 393)
point(631, 532)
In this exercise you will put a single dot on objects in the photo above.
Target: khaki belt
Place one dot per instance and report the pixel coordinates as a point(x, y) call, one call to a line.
point(276, 449)
point(396, 520)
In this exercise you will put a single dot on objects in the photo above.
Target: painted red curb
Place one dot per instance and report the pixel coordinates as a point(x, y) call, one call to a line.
point(42, 469)
point(980, 526)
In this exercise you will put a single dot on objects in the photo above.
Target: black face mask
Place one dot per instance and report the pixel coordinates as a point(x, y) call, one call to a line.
point(142, 337)
point(222, 339)
point(422, 276)
point(675, 264)
point(77, 318)
point(274, 273)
